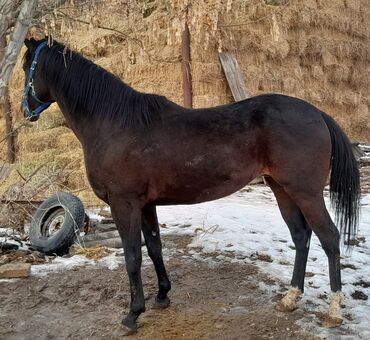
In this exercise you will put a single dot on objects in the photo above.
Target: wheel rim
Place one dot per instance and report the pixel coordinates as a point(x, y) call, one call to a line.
point(53, 222)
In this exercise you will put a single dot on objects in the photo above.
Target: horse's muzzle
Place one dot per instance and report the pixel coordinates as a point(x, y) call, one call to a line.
point(27, 114)
point(33, 118)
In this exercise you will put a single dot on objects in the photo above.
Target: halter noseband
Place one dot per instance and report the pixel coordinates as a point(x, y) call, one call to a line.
point(30, 88)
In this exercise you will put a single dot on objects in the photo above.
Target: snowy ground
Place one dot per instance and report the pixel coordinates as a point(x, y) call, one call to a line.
point(247, 225)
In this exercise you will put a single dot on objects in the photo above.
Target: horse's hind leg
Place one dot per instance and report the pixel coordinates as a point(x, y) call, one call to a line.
point(301, 235)
point(314, 210)
point(150, 230)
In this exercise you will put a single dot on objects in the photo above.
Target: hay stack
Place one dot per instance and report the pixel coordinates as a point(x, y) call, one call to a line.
point(316, 50)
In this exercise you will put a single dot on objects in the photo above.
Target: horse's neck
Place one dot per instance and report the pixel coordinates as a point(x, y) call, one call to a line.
point(81, 126)
point(75, 121)
point(72, 122)
point(91, 125)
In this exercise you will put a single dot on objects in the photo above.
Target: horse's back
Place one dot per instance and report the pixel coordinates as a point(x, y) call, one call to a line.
point(227, 146)
point(196, 155)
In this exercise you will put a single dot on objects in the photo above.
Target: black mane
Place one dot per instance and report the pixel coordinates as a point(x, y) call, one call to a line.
point(93, 92)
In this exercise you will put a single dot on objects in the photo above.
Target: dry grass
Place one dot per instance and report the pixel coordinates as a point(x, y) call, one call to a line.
point(21, 256)
point(93, 253)
point(316, 50)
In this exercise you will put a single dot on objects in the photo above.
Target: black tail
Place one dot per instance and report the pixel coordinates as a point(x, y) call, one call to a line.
point(344, 181)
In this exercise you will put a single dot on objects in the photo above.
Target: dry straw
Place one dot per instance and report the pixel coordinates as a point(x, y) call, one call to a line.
point(316, 50)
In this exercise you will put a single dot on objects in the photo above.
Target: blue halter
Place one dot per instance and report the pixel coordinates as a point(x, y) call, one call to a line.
point(30, 88)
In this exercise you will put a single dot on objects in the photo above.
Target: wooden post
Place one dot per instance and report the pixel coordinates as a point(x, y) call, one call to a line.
point(5, 108)
point(237, 85)
point(186, 71)
point(234, 76)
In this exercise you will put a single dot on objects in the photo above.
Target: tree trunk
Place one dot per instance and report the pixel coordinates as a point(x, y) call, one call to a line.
point(9, 55)
point(5, 111)
point(15, 44)
point(10, 135)
point(6, 15)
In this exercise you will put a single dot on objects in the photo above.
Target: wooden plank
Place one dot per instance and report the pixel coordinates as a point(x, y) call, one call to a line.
point(98, 227)
point(186, 71)
point(100, 236)
point(109, 242)
point(357, 152)
point(15, 270)
point(107, 239)
point(237, 85)
point(21, 202)
point(234, 76)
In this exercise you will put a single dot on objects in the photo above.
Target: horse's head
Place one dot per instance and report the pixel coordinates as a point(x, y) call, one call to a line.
point(36, 96)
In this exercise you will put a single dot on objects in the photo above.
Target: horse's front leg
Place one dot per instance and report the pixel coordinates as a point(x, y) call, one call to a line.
point(150, 230)
point(127, 216)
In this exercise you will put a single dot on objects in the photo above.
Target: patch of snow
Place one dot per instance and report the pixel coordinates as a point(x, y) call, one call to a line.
point(10, 240)
point(94, 214)
point(12, 236)
point(111, 261)
point(60, 264)
point(249, 223)
point(6, 231)
point(8, 280)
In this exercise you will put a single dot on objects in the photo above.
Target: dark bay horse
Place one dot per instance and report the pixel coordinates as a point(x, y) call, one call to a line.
point(142, 150)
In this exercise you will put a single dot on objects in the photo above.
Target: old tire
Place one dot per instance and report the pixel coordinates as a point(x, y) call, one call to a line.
point(56, 223)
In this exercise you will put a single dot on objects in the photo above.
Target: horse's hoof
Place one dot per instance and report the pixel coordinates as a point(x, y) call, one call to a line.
point(128, 329)
point(123, 330)
point(161, 303)
point(334, 317)
point(289, 302)
point(284, 307)
point(332, 321)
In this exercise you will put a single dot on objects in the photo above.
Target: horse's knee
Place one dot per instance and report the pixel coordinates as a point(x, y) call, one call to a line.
point(133, 265)
point(301, 239)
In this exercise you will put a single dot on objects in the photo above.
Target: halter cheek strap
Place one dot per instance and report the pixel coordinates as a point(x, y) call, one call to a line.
point(29, 89)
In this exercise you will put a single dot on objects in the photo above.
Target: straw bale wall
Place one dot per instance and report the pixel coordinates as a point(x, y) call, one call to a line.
point(316, 50)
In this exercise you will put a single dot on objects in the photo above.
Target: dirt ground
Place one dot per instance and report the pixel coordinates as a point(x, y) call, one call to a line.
point(212, 299)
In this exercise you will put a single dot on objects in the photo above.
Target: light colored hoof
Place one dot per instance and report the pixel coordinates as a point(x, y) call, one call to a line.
point(332, 322)
point(334, 318)
point(289, 302)
point(283, 307)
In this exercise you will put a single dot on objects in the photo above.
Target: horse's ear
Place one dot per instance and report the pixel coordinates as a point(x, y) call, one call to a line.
point(27, 43)
point(30, 43)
